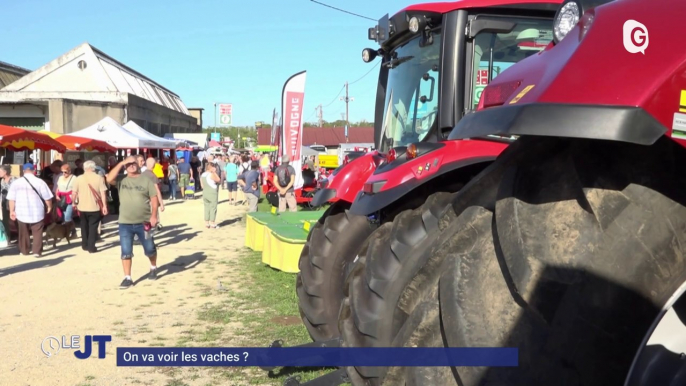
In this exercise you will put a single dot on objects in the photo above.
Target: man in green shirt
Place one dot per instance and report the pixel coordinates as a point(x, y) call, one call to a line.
point(137, 215)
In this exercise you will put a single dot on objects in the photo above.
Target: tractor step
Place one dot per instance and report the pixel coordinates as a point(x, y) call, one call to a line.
point(338, 377)
point(279, 343)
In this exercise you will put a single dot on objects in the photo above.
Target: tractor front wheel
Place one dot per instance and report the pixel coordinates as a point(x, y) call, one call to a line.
point(386, 285)
point(330, 247)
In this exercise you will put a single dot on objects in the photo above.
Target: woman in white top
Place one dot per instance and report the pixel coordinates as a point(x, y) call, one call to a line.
point(210, 194)
point(65, 184)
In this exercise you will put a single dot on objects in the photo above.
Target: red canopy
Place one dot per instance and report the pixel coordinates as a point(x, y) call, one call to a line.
point(214, 143)
point(19, 139)
point(85, 144)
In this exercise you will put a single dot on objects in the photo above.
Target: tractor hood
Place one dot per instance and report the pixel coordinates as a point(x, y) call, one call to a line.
point(617, 75)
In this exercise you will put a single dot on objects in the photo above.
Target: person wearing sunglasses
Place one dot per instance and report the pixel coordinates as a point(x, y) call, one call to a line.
point(138, 203)
point(63, 193)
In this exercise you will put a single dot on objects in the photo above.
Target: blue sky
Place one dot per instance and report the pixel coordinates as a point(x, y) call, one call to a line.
point(208, 51)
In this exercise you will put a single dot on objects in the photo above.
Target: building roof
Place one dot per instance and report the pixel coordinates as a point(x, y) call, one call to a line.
point(10, 73)
point(326, 136)
point(87, 69)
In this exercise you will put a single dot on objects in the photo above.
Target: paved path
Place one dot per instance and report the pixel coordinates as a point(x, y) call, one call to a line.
point(71, 292)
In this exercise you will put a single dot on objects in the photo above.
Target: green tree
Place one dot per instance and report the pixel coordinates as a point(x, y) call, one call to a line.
point(247, 134)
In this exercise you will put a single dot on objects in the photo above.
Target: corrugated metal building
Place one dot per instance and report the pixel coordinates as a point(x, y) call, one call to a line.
point(9, 73)
point(85, 85)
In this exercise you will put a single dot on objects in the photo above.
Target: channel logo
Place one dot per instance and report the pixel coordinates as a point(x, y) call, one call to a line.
point(52, 345)
point(635, 37)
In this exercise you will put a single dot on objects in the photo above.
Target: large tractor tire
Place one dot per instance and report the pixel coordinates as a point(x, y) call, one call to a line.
point(421, 329)
point(572, 261)
point(330, 246)
point(386, 285)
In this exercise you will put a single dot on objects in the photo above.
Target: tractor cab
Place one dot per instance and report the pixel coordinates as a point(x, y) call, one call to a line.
point(436, 65)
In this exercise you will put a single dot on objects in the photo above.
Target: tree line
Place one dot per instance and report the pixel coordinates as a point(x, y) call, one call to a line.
point(249, 132)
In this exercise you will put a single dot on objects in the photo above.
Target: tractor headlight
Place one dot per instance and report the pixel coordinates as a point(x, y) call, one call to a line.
point(566, 19)
point(416, 24)
point(368, 55)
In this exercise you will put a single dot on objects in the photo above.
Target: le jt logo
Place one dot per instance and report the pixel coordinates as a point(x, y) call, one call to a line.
point(51, 345)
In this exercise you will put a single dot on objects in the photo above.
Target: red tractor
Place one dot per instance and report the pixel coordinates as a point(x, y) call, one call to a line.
point(436, 60)
point(571, 246)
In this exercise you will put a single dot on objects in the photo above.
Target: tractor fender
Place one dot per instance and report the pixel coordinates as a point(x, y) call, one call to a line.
point(384, 188)
point(347, 180)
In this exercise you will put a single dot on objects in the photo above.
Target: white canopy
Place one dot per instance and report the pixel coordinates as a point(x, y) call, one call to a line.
point(108, 130)
point(141, 132)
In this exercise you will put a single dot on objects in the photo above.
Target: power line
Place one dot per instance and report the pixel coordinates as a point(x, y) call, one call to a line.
point(344, 11)
point(368, 72)
point(336, 97)
point(308, 118)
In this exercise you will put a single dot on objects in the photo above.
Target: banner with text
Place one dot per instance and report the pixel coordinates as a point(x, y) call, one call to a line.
point(292, 100)
point(317, 356)
point(225, 114)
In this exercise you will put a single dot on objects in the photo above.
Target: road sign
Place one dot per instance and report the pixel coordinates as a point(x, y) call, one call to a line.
point(225, 114)
point(215, 137)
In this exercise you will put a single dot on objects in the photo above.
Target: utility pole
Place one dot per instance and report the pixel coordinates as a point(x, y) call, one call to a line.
point(320, 115)
point(346, 99)
point(215, 117)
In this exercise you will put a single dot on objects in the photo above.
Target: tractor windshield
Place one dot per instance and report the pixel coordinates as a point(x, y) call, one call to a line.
point(498, 51)
point(411, 102)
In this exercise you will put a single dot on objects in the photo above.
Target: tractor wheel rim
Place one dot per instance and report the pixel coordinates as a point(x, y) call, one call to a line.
point(661, 359)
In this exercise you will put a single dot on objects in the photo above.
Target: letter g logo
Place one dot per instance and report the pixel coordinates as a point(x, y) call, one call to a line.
point(635, 37)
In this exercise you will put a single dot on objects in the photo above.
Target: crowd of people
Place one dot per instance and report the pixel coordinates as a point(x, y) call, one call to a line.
point(133, 188)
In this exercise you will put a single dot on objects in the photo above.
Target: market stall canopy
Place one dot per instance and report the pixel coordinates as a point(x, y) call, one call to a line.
point(214, 143)
point(108, 130)
point(79, 143)
point(141, 132)
point(16, 139)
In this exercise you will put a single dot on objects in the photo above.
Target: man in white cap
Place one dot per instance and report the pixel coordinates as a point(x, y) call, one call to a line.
point(284, 178)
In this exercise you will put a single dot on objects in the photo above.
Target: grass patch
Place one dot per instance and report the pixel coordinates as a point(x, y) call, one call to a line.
point(266, 307)
point(121, 334)
point(90, 377)
point(176, 382)
point(118, 322)
point(222, 313)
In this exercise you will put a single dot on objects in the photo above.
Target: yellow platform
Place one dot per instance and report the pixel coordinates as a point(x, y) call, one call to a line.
point(280, 238)
point(282, 254)
point(254, 231)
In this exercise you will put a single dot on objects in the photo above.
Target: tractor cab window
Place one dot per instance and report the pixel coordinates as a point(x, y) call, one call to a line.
point(411, 104)
point(498, 51)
